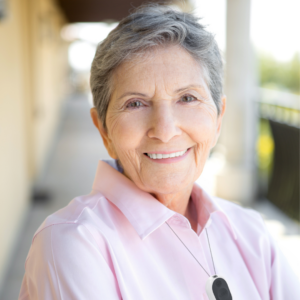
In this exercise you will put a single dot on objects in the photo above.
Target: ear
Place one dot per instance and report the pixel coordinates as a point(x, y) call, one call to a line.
point(103, 132)
point(219, 120)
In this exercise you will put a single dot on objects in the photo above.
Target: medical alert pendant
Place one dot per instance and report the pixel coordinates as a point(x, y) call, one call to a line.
point(217, 288)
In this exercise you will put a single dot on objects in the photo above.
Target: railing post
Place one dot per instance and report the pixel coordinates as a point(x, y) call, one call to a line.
point(236, 181)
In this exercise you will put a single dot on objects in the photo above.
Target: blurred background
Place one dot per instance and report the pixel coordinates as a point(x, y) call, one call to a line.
point(49, 148)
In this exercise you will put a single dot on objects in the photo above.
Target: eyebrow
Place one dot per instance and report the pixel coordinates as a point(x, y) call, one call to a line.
point(176, 91)
point(132, 94)
point(192, 86)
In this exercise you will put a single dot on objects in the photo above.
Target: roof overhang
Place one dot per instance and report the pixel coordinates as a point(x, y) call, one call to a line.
point(100, 10)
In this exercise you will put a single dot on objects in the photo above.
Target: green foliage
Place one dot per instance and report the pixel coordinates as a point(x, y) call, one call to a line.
point(280, 75)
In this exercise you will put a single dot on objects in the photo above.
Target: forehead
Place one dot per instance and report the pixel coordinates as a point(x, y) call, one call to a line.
point(168, 66)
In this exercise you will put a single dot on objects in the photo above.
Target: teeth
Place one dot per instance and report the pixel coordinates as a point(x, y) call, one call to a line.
point(160, 156)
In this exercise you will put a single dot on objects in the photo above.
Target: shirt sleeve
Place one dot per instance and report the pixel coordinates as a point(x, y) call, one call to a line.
point(284, 283)
point(65, 262)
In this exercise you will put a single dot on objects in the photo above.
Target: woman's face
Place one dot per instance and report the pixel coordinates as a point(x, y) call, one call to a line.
point(161, 107)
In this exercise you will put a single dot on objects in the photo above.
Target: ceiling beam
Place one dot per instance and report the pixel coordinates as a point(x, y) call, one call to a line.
point(100, 10)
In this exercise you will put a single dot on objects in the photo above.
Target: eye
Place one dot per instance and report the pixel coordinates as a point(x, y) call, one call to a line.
point(188, 98)
point(134, 104)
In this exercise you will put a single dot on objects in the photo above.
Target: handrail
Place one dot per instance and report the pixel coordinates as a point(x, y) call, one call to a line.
point(279, 98)
point(279, 106)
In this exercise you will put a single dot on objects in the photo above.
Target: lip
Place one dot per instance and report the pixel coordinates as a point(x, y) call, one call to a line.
point(169, 160)
point(165, 152)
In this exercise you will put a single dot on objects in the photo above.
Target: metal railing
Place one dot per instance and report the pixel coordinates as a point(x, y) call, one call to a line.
point(280, 106)
point(282, 110)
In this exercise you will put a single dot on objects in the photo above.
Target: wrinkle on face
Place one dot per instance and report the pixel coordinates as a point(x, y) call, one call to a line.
point(163, 122)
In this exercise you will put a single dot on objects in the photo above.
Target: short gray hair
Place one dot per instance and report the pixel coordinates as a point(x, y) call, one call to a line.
point(151, 26)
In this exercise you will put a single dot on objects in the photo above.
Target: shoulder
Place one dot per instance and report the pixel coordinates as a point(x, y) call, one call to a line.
point(236, 210)
point(67, 251)
point(244, 220)
point(251, 235)
point(71, 213)
point(76, 229)
point(77, 221)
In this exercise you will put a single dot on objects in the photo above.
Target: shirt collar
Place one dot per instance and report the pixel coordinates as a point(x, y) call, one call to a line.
point(207, 205)
point(142, 210)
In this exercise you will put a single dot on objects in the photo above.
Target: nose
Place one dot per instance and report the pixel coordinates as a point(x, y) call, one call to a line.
point(164, 124)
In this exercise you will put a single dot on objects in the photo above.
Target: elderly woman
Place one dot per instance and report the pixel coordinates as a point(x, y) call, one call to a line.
point(147, 231)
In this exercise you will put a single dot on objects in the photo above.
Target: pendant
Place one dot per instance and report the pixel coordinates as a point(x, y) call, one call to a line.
point(217, 288)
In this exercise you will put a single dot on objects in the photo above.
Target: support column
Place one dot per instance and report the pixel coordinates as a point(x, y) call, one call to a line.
point(236, 181)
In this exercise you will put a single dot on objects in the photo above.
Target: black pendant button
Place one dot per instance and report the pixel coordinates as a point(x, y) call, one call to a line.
point(221, 290)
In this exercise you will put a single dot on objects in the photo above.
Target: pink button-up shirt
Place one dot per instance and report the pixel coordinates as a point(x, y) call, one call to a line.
point(115, 244)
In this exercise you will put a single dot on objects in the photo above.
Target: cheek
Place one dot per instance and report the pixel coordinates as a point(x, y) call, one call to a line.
point(126, 131)
point(200, 124)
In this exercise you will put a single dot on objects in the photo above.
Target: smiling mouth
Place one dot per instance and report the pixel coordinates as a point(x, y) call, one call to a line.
point(169, 155)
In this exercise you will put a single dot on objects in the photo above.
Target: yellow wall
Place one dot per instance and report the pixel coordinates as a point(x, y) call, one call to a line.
point(33, 71)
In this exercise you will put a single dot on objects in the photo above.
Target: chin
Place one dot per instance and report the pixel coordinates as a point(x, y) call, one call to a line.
point(167, 186)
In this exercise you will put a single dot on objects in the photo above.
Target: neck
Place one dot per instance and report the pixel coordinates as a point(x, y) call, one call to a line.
point(181, 203)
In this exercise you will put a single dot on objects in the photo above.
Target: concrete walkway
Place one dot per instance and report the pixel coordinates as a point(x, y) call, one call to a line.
point(70, 172)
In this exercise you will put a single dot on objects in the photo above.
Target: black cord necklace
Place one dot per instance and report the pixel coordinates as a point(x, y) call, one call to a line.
point(216, 287)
